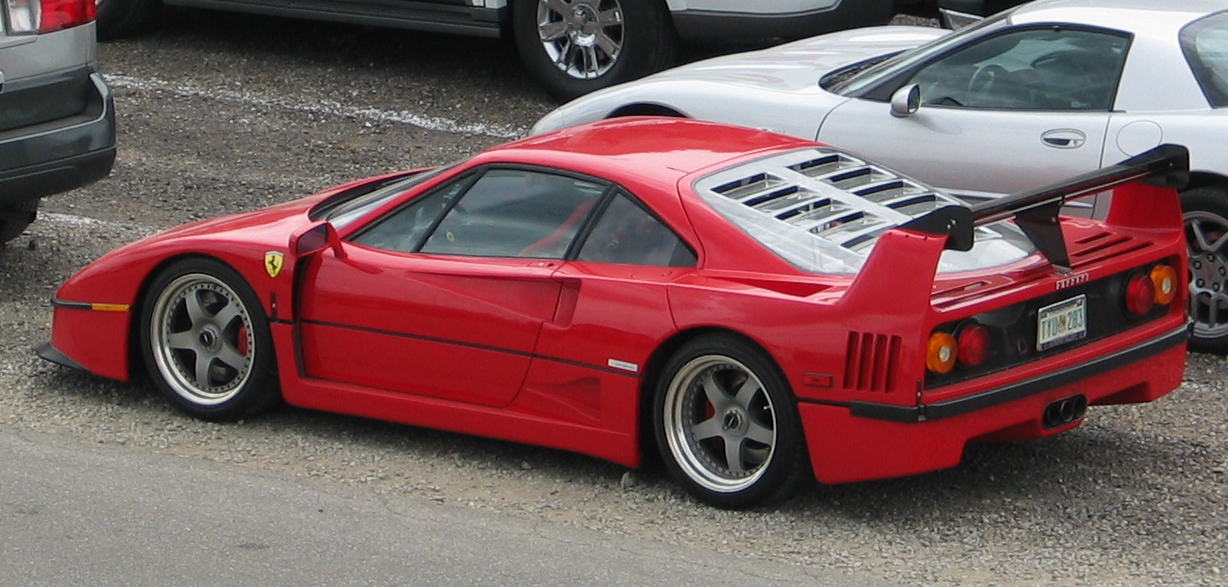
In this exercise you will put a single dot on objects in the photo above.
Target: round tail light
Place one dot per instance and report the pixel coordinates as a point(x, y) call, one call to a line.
point(973, 345)
point(1140, 294)
point(941, 352)
point(1164, 278)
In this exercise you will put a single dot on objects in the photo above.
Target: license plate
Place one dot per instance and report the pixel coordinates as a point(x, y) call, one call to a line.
point(1061, 322)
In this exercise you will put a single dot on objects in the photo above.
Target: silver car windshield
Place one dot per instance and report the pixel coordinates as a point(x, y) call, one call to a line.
point(868, 79)
point(823, 211)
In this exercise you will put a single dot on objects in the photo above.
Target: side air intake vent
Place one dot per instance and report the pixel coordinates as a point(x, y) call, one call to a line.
point(871, 361)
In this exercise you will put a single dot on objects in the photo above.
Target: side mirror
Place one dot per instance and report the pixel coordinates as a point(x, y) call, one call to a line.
point(316, 238)
point(905, 101)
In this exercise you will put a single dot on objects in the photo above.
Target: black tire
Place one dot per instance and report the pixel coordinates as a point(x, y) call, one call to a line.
point(14, 218)
point(120, 18)
point(230, 332)
point(1206, 230)
point(641, 42)
point(698, 419)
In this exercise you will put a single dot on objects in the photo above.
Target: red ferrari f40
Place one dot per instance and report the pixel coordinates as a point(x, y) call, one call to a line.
point(760, 309)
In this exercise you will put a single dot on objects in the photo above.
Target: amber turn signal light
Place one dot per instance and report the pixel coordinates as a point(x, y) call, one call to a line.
point(1164, 278)
point(941, 352)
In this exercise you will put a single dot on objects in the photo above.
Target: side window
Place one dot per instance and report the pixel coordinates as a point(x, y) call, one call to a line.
point(1036, 69)
point(629, 235)
point(404, 229)
point(516, 213)
point(1205, 43)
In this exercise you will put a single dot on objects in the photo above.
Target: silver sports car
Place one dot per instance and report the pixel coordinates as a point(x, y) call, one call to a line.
point(1034, 94)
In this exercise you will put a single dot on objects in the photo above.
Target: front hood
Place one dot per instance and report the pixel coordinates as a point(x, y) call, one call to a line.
point(762, 89)
point(800, 64)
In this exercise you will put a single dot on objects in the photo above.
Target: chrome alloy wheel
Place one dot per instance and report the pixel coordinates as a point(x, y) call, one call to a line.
point(202, 342)
point(719, 423)
point(584, 38)
point(1207, 234)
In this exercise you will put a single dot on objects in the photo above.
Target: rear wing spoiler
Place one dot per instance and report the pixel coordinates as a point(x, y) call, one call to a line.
point(1036, 210)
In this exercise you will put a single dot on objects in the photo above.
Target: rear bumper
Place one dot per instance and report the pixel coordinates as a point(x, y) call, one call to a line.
point(700, 25)
point(857, 443)
point(60, 155)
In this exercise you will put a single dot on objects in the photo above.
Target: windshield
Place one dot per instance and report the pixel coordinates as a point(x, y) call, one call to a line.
point(867, 79)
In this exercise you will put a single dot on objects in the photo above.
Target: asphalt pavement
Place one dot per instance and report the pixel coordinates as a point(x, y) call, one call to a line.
point(100, 515)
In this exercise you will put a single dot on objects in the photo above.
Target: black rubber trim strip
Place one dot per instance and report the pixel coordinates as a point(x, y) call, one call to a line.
point(50, 353)
point(1022, 389)
point(58, 303)
point(636, 375)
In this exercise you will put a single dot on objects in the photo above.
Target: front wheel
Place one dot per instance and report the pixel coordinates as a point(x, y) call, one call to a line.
point(1205, 210)
point(726, 424)
point(206, 342)
point(577, 46)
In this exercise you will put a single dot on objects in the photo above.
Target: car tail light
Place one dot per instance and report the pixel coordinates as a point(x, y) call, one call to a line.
point(47, 16)
point(941, 352)
point(1140, 294)
point(973, 344)
point(1164, 278)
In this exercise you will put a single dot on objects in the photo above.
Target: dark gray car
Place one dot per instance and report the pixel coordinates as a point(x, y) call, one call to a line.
point(57, 119)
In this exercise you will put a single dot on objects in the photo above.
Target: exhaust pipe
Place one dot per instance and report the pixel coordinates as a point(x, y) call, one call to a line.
point(1064, 411)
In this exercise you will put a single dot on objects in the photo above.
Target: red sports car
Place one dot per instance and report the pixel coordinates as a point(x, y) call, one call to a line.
point(756, 307)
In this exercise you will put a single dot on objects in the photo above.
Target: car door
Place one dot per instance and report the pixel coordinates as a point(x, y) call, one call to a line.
point(1000, 114)
point(613, 312)
point(446, 296)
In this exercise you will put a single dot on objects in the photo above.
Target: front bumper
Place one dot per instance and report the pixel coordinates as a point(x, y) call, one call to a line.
point(60, 155)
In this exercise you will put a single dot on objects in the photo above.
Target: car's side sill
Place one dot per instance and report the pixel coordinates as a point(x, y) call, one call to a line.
point(419, 16)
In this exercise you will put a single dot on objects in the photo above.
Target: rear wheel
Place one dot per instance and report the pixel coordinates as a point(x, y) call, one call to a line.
point(726, 424)
point(1205, 210)
point(14, 218)
point(577, 46)
point(206, 342)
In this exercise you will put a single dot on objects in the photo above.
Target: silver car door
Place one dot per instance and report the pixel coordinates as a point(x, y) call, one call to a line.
point(1005, 112)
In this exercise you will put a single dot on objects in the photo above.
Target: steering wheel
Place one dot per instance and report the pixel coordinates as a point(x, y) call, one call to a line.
point(985, 78)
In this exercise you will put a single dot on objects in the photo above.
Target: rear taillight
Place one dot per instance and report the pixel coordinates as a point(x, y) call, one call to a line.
point(968, 347)
point(973, 342)
point(47, 16)
point(1140, 294)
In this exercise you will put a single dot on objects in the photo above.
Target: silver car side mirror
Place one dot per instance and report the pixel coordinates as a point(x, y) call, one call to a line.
point(905, 101)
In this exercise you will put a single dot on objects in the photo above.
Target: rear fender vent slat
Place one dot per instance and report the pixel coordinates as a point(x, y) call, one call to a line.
point(871, 361)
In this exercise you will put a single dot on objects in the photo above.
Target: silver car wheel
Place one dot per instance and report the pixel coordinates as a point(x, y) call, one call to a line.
point(719, 424)
point(1207, 234)
point(202, 339)
point(584, 38)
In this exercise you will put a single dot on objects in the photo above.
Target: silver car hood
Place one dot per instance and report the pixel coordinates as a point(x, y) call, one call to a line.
point(762, 82)
point(800, 64)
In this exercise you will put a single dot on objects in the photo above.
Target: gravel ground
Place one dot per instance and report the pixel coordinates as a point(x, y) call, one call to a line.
point(1137, 496)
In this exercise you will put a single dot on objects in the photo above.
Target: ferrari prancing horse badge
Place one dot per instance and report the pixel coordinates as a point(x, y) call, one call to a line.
point(273, 261)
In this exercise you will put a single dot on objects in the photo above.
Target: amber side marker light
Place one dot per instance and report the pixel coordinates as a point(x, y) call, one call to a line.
point(941, 352)
point(1164, 278)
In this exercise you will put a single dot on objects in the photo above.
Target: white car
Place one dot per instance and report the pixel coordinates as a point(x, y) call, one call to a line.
point(1031, 95)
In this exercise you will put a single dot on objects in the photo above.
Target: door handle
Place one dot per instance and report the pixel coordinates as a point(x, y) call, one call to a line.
point(1063, 138)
